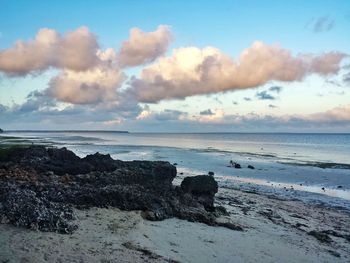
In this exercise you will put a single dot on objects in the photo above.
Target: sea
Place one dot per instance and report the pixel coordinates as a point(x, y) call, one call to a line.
point(311, 167)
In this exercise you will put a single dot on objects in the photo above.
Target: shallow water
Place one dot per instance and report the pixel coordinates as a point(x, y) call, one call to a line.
point(285, 164)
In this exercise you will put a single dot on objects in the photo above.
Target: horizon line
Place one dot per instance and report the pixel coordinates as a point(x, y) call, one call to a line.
point(150, 132)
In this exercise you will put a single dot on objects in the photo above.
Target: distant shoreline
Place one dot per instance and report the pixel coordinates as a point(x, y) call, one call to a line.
point(43, 131)
point(137, 132)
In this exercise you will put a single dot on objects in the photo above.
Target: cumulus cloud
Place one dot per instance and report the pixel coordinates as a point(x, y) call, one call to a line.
point(87, 74)
point(144, 47)
point(88, 87)
point(95, 85)
point(76, 50)
point(192, 71)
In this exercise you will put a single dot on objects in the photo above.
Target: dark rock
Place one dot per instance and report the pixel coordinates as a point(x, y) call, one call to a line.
point(211, 173)
point(251, 167)
point(39, 187)
point(59, 154)
point(1, 130)
point(321, 236)
point(175, 164)
point(24, 208)
point(339, 186)
point(237, 166)
point(101, 162)
point(204, 187)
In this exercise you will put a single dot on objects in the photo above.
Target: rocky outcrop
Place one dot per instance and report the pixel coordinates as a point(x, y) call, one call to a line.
point(39, 187)
point(203, 187)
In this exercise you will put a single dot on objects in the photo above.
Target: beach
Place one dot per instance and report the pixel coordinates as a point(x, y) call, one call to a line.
point(274, 231)
point(270, 220)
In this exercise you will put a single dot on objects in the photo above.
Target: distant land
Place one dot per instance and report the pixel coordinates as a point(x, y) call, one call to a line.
point(44, 131)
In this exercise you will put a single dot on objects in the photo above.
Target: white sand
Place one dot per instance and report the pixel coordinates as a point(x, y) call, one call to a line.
point(111, 235)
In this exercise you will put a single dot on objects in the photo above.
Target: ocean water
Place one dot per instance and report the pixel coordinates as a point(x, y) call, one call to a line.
point(310, 167)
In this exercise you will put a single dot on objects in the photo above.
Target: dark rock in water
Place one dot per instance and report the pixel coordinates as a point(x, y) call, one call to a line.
point(40, 186)
point(251, 167)
point(1, 130)
point(175, 164)
point(204, 187)
point(321, 236)
point(211, 173)
point(339, 186)
point(237, 166)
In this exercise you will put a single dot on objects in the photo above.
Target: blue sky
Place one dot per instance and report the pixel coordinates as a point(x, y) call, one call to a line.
point(308, 27)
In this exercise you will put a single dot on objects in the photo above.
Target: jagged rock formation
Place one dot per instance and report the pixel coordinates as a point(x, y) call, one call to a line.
point(39, 186)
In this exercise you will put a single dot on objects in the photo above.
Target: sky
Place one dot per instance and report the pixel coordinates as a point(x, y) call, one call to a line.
point(175, 66)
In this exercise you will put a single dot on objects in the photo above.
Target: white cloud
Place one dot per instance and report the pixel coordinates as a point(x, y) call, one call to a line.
point(191, 71)
point(95, 85)
point(88, 87)
point(144, 47)
point(75, 50)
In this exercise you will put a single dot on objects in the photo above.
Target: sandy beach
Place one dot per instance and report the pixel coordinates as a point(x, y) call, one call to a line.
point(275, 230)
